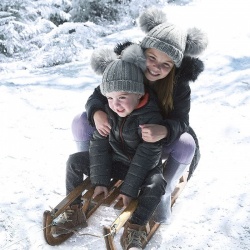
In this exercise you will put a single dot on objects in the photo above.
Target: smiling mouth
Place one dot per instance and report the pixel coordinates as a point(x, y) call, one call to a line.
point(153, 73)
point(120, 111)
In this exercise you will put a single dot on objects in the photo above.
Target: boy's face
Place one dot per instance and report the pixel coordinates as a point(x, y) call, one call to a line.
point(123, 103)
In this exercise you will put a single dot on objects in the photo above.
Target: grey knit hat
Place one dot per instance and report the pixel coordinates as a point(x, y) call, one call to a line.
point(169, 38)
point(124, 74)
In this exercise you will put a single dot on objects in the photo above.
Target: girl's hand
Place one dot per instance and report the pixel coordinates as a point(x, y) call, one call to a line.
point(101, 123)
point(125, 199)
point(153, 132)
point(99, 190)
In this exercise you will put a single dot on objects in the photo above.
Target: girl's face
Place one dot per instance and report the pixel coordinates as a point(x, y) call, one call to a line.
point(123, 103)
point(158, 64)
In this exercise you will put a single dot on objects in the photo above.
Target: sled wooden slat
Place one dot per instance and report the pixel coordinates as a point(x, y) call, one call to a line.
point(88, 194)
point(115, 192)
point(70, 198)
point(119, 205)
point(179, 187)
point(109, 200)
point(112, 195)
point(153, 228)
point(93, 204)
point(124, 216)
point(111, 231)
point(108, 238)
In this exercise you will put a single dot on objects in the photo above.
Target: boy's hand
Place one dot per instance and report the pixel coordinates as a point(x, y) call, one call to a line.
point(99, 190)
point(153, 132)
point(125, 199)
point(101, 123)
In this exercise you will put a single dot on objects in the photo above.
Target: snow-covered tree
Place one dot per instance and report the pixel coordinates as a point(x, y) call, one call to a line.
point(57, 31)
point(96, 10)
point(19, 21)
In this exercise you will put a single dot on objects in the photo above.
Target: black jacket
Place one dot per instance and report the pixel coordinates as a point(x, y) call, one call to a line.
point(124, 147)
point(177, 121)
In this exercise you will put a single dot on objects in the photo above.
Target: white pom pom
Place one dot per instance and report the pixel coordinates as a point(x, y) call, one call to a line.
point(101, 58)
point(196, 42)
point(134, 54)
point(151, 18)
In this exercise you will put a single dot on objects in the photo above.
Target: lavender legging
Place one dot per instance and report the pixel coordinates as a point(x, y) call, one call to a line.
point(182, 149)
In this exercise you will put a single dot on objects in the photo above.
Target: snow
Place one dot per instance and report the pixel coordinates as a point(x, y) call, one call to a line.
point(37, 106)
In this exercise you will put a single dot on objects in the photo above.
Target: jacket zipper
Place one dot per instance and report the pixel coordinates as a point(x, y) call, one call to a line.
point(122, 140)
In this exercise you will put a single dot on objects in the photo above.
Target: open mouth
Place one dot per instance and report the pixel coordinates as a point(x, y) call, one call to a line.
point(120, 111)
point(153, 73)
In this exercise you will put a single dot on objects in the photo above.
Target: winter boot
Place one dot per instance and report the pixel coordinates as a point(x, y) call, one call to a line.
point(134, 236)
point(172, 172)
point(73, 218)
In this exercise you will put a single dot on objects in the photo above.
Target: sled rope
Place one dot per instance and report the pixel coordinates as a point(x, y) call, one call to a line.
point(113, 231)
point(94, 235)
point(75, 232)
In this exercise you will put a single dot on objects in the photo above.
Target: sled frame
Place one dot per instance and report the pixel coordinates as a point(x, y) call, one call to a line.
point(90, 206)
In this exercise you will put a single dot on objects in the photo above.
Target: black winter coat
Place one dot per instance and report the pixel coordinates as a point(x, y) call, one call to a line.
point(125, 149)
point(177, 121)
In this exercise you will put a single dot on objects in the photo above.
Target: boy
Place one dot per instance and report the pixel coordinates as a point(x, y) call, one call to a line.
point(123, 154)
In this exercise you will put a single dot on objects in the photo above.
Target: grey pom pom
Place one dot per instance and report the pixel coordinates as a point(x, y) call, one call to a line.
point(151, 18)
point(134, 54)
point(101, 58)
point(196, 42)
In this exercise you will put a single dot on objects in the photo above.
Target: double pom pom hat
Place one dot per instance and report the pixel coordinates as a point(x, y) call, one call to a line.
point(169, 38)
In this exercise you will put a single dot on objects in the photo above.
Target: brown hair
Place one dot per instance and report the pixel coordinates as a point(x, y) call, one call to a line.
point(164, 90)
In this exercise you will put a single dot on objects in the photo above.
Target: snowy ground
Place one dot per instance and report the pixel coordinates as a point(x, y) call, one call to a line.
point(37, 107)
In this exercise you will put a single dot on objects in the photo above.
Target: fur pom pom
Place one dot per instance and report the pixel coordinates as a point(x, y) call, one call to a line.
point(121, 46)
point(196, 42)
point(151, 18)
point(190, 69)
point(134, 54)
point(101, 58)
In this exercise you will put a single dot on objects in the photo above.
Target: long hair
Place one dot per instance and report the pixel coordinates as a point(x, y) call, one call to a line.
point(164, 90)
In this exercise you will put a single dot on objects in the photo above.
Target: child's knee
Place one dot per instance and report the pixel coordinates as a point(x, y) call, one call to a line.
point(81, 129)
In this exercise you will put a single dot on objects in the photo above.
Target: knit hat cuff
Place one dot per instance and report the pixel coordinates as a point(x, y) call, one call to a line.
point(175, 54)
point(122, 86)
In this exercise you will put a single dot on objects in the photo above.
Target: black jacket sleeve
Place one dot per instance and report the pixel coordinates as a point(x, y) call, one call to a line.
point(147, 157)
point(95, 102)
point(100, 160)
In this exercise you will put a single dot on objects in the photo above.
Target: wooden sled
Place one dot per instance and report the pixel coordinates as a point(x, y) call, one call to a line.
point(90, 206)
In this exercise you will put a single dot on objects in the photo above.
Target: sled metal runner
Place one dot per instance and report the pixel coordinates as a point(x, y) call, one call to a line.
point(90, 206)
